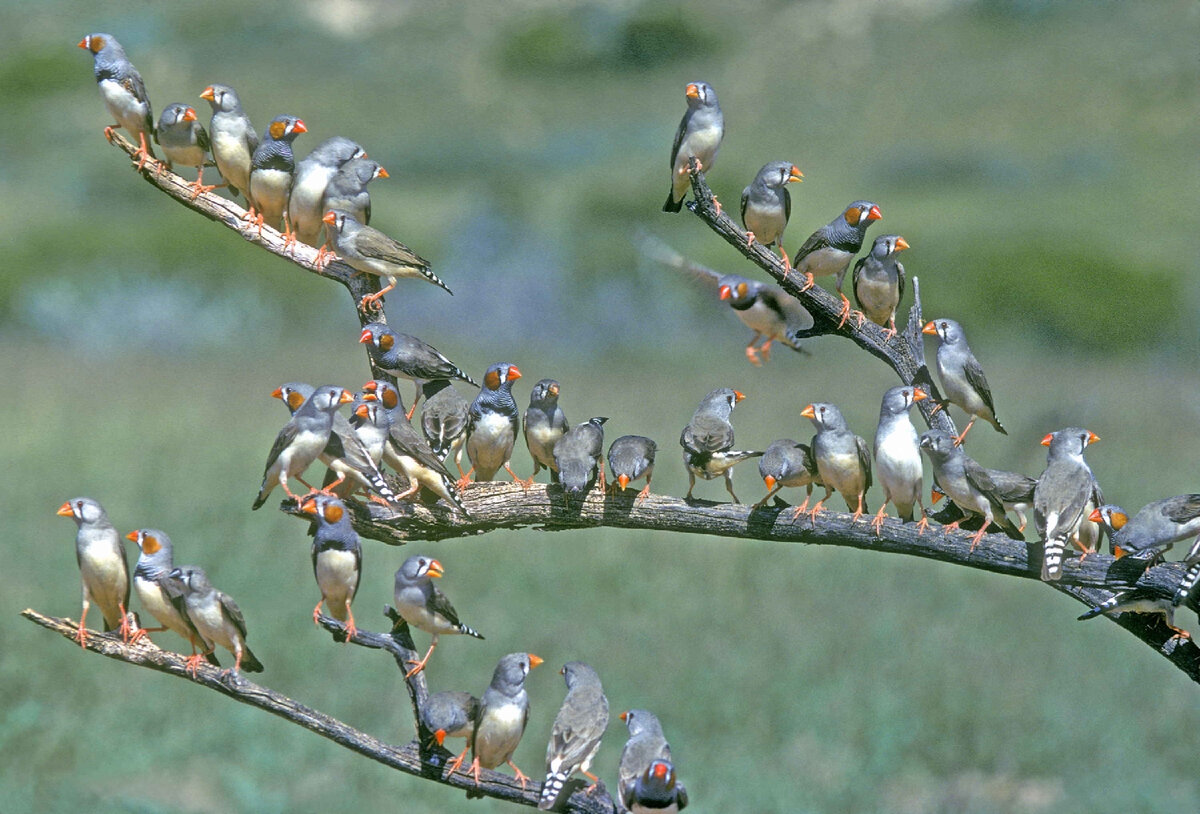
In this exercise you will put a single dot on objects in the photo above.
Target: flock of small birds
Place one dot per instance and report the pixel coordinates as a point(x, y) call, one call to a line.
point(327, 191)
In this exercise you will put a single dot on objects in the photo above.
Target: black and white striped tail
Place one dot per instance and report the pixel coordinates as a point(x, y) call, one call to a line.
point(1104, 607)
point(1190, 578)
point(551, 789)
point(381, 486)
point(436, 280)
point(1052, 559)
point(469, 631)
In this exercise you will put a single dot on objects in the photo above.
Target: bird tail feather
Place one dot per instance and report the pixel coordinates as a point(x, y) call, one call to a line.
point(1190, 578)
point(1052, 559)
point(672, 205)
point(1104, 607)
point(551, 789)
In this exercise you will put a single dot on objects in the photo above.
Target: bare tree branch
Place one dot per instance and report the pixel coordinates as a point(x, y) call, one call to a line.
point(415, 758)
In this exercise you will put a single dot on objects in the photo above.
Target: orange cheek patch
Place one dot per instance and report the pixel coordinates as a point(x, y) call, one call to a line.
point(852, 215)
point(492, 380)
point(150, 545)
point(390, 399)
point(333, 514)
point(277, 129)
point(386, 342)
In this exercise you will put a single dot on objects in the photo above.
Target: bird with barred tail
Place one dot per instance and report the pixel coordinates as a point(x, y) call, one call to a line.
point(232, 136)
point(301, 441)
point(155, 590)
point(503, 714)
point(1191, 576)
point(444, 420)
point(579, 456)
point(1154, 529)
point(103, 567)
point(830, 249)
point(123, 92)
point(1140, 600)
point(642, 786)
point(898, 456)
point(767, 204)
point(408, 357)
point(578, 729)
point(215, 615)
point(272, 169)
point(422, 604)
point(370, 251)
point(184, 141)
point(961, 375)
point(632, 457)
point(699, 135)
point(336, 558)
point(493, 422)
point(843, 460)
point(450, 714)
point(313, 174)
point(707, 441)
point(787, 463)
point(1065, 496)
point(966, 483)
point(879, 282)
point(545, 424)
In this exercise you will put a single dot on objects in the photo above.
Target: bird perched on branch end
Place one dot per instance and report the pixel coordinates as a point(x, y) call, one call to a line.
point(103, 566)
point(767, 204)
point(699, 136)
point(123, 92)
point(423, 605)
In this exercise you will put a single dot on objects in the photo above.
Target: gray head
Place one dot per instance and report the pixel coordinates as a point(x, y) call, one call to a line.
point(154, 544)
point(739, 291)
point(898, 400)
point(105, 44)
point(858, 216)
point(342, 222)
point(293, 394)
point(939, 445)
point(577, 673)
point(641, 722)
point(418, 569)
point(778, 174)
point(544, 394)
point(700, 94)
point(511, 671)
point(1071, 441)
point(285, 128)
point(1112, 516)
point(721, 401)
point(887, 245)
point(333, 152)
point(357, 173)
point(947, 331)
point(326, 399)
point(193, 578)
point(84, 511)
point(177, 117)
point(825, 416)
point(327, 509)
point(222, 98)
point(367, 411)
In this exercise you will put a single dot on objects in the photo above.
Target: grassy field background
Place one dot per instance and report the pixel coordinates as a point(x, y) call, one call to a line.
point(1039, 157)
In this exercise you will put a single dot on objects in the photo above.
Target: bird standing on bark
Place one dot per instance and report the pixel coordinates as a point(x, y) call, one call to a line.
point(492, 426)
point(545, 424)
point(646, 747)
point(422, 604)
point(336, 558)
point(843, 459)
point(347, 189)
point(578, 728)
point(272, 169)
point(232, 137)
point(787, 463)
point(830, 249)
point(371, 251)
point(503, 714)
point(700, 132)
point(1153, 530)
point(579, 456)
point(123, 92)
point(879, 282)
point(1065, 496)
point(451, 715)
point(102, 566)
point(313, 174)
point(408, 357)
point(962, 376)
point(301, 441)
point(632, 457)
point(898, 456)
point(215, 616)
point(444, 420)
point(767, 204)
point(155, 589)
point(966, 483)
point(184, 141)
point(707, 441)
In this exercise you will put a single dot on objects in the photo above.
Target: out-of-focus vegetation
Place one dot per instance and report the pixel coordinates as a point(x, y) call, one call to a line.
point(1039, 157)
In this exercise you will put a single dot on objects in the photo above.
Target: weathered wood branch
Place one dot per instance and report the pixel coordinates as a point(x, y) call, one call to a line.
point(416, 758)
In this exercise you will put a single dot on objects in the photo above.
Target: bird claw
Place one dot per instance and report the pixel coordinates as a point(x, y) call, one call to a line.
point(370, 302)
point(198, 189)
point(109, 131)
point(752, 355)
point(845, 312)
point(193, 663)
point(922, 524)
point(716, 204)
point(877, 521)
point(81, 635)
point(976, 538)
point(817, 509)
point(749, 238)
point(809, 282)
point(888, 333)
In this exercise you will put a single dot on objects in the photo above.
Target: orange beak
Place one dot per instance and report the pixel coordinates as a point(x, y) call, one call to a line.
point(553, 389)
point(435, 569)
point(1095, 516)
point(65, 510)
point(189, 115)
point(513, 373)
point(874, 214)
point(534, 661)
point(440, 736)
point(1119, 552)
point(370, 397)
point(623, 480)
point(309, 506)
point(693, 90)
point(769, 480)
point(738, 396)
point(795, 175)
point(919, 394)
point(366, 334)
point(808, 412)
point(725, 292)
point(83, 43)
point(346, 397)
point(277, 393)
point(361, 411)
point(1093, 438)
point(383, 173)
point(935, 496)
point(208, 94)
point(624, 716)
point(329, 218)
point(901, 244)
point(929, 328)
point(1049, 437)
point(299, 127)
point(131, 536)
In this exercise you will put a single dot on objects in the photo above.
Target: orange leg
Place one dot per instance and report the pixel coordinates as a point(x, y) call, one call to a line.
point(890, 330)
point(525, 484)
point(193, 663)
point(809, 282)
point(317, 612)
point(144, 633)
point(324, 256)
point(81, 631)
point(108, 131)
point(954, 525)
point(958, 441)
point(519, 774)
point(143, 152)
point(752, 352)
point(817, 509)
point(420, 665)
point(125, 628)
point(328, 490)
point(644, 493)
point(787, 264)
point(922, 524)
point(858, 512)
point(351, 628)
point(455, 764)
point(765, 350)
point(749, 238)
point(474, 770)
point(372, 301)
point(465, 480)
point(199, 187)
point(877, 522)
point(716, 204)
point(977, 537)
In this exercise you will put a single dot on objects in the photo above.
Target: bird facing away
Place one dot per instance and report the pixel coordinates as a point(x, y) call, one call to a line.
point(184, 141)
point(336, 558)
point(787, 463)
point(503, 714)
point(1140, 600)
point(232, 136)
point(215, 616)
point(699, 135)
point(422, 604)
point(962, 376)
point(578, 728)
point(767, 204)
point(579, 456)
point(879, 282)
point(632, 457)
point(1065, 496)
point(451, 715)
point(154, 588)
point(966, 483)
point(444, 420)
point(123, 92)
point(103, 566)
point(545, 423)
point(646, 746)
point(843, 459)
point(898, 456)
point(493, 422)
point(707, 440)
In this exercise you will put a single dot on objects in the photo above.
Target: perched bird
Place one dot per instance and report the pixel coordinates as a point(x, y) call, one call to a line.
point(347, 189)
point(579, 456)
point(301, 441)
point(699, 135)
point(492, 425)
point(423, 605)
point(578, 728)
point(843, 459)
point(444, 419)
point(451, 715)
point(313, 174)
point(830, 249)
point(1065, 496)
point(215, 616)
point(879, 282)
point(632, 457)
point(767, 310)
point(272, 168)
point(102, 565)
point(371, 429)
point(1190, 576)
point(1153, 530)
point(336, 558)
point(787, 463)
point(233, 137)
point(123, 92)
point(1015, 491)
point(966, 483)
point(409, 358)
point(767, 204)
point(184, 141)
point(371, 251)
point(1140, 600)
point(707, 440)
point(350, 460)
point(962, 376)
point(503, 713)
point(646, 747)
point(898, 456)
point(155, 589)
point(545, 423)
point(405, 450)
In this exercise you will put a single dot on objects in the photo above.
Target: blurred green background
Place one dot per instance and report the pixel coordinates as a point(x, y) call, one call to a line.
point(1040, 157)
